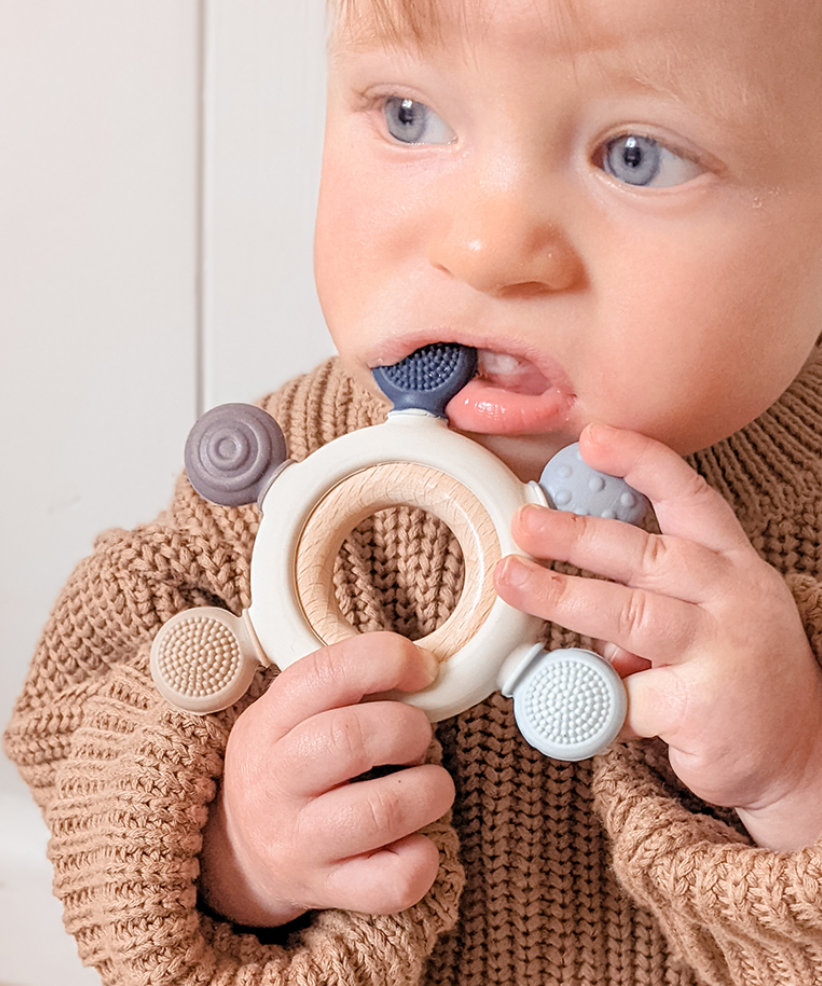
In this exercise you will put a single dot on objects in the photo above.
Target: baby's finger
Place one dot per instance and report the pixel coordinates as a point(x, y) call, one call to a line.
point(365, 816)
point(332, 747)
point(622, 661)
point(672, 566)
point(387, 881)
point(342, 674)
point(658, 628)
point(656, 704)
point(685, 505)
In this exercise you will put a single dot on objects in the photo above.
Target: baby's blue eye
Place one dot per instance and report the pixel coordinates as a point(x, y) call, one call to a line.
point(411, 122)
point(645, 162)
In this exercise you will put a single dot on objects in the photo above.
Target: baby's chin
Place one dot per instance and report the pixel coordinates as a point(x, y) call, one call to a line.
point(525, 455)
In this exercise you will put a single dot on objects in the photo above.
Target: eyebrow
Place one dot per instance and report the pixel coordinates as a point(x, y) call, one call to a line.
point(414, 25)
point(717, 93)
point(381, 22)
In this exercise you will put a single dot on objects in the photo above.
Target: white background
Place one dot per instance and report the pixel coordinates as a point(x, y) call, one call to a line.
point(159, 162)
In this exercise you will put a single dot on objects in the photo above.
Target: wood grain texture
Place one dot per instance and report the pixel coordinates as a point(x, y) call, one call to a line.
point(386, 485)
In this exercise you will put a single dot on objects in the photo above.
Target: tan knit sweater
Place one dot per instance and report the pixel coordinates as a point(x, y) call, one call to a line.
point(603, 873)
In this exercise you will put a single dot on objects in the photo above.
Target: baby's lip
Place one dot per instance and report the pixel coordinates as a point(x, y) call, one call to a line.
point(512, 395)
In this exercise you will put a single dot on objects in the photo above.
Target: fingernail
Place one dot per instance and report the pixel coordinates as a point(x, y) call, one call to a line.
point(430, 663)
point(511, 571)
point(600, 434)
point(529, 515)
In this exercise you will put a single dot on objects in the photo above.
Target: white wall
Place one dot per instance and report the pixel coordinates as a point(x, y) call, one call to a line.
point(265, 96)
point(157, 180)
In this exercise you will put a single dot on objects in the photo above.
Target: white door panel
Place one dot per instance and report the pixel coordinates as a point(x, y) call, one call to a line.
point(265, 97)
point(157, 187)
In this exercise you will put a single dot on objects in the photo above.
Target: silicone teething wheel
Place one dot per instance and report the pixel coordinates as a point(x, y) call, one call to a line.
point(569, 704)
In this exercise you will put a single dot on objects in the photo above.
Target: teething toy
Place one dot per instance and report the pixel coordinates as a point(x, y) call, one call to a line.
point(569, 704)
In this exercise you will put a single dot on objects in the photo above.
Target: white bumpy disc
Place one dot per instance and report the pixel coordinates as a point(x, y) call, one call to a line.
point(569, 704)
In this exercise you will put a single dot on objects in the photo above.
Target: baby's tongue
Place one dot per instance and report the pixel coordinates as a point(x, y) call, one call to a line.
point(519, 376)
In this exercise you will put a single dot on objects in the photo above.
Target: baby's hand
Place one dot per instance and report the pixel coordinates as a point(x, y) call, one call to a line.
point(292, 830)
point(707, 635)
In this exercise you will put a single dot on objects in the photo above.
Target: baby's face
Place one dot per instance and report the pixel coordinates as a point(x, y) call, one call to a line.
point(620, 208)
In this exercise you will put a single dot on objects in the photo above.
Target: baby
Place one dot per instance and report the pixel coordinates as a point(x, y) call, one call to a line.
point(619, 204)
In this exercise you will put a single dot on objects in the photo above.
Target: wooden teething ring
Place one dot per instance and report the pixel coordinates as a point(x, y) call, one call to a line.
point(387, 485)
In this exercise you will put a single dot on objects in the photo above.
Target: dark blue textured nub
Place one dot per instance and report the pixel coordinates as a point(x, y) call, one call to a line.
point(428, 378)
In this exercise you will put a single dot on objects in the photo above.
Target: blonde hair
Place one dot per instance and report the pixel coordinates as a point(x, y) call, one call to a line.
point(421, 22)
point(394, 21)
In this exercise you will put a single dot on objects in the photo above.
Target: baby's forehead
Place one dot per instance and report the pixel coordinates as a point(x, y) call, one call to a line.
point(423, 22)
point(775, 38)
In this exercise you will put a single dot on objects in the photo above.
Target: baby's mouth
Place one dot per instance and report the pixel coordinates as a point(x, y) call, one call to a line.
point(510, 395)
point(511, 373)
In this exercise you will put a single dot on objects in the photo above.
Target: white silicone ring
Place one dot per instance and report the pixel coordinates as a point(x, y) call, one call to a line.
point(281, 626)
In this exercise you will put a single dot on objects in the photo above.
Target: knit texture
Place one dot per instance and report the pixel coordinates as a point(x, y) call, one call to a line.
point(603, 873)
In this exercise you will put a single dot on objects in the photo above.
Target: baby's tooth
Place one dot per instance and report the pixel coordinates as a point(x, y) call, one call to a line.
point(498, 363)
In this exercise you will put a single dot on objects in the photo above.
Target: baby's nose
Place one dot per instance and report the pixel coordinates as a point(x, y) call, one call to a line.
point(498, 243)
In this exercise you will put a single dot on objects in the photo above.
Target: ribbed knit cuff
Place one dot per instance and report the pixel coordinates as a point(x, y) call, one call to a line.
point(807, 592)
point(736, 913)
point(126, 823)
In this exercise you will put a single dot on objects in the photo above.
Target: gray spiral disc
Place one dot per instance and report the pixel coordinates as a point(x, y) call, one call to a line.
point(232, 452)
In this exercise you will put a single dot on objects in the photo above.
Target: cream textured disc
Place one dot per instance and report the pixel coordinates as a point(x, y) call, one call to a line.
point(199, 657)
point(201, 661)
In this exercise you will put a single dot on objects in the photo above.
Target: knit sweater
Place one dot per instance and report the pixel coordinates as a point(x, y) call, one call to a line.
point(601, 873)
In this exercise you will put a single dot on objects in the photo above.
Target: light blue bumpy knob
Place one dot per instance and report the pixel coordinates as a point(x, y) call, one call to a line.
point(571, 484)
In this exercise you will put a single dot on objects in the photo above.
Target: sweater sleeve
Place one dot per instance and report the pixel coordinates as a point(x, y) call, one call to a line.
point(739, 915)
point(124, 781)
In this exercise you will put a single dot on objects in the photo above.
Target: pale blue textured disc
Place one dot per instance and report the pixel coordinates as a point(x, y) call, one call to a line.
point(570, 704)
